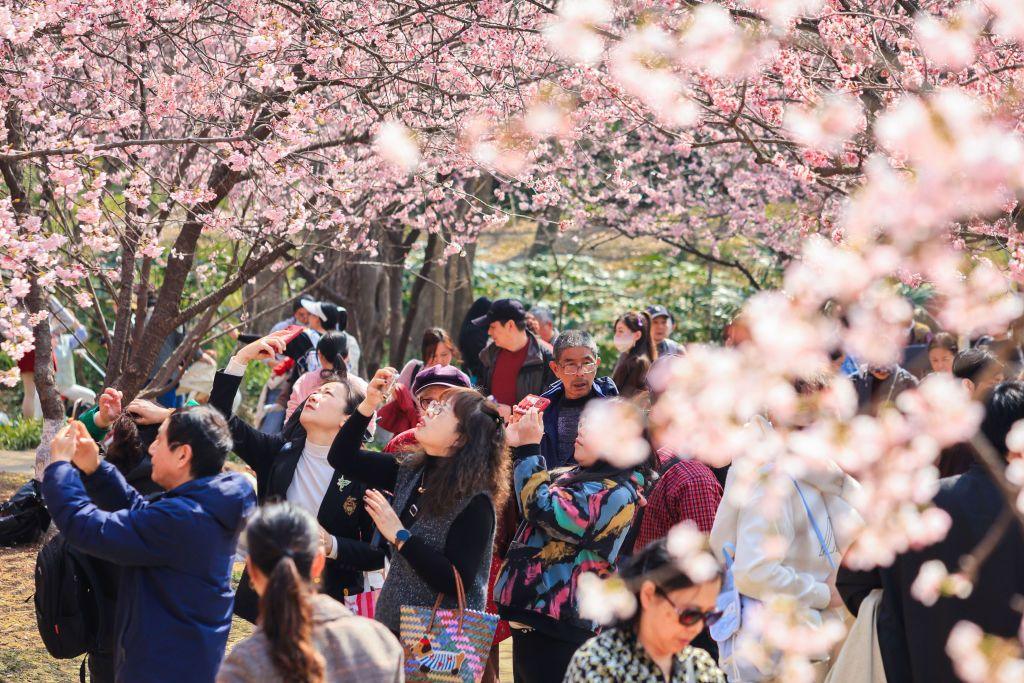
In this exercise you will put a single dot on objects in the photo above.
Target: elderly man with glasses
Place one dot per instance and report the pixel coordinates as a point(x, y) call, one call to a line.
point(575, 365)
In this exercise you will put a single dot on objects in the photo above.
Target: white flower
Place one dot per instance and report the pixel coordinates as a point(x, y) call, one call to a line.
point(395, 144)
point(604, 600)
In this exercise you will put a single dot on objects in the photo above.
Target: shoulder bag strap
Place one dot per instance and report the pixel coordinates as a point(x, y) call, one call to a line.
point(814, 525)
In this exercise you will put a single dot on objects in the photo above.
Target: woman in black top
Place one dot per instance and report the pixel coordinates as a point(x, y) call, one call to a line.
point(293, 466)
point(444, 497)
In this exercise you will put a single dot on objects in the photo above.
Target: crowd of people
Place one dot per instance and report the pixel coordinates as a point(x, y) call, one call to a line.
point(489, 489)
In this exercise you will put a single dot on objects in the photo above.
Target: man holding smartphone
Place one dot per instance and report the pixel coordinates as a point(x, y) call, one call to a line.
point(515, 364)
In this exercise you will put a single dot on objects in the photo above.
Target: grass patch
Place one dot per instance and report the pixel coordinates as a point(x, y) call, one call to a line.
point(21, 434)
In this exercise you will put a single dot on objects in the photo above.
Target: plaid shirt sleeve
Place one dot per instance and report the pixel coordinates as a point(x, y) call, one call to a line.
point(687, 491)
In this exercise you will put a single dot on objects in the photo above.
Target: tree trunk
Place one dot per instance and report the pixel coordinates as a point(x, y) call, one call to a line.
point(261, 302)
point(53, 408)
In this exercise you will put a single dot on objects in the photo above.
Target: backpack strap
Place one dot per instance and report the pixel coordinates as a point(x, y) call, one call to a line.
point(814, 525)
point(729, 553)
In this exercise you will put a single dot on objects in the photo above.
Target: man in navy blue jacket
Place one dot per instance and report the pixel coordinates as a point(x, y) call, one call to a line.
point(174, 599)
point(575, 365)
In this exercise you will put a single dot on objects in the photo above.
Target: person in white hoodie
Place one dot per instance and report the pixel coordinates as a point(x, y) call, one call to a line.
point(792, 549)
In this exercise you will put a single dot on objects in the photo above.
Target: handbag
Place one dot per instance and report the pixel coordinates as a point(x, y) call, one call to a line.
point(444, 644)
point(852, 666)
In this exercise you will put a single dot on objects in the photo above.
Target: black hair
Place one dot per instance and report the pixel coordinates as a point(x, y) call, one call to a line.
point(283, 541)
point(206, 431)
point(297, 304)
point(1003, 407)
point(337, 317)
point(944, 340)
point(333, 346)
point(975, 364)
point(124, 448)
point(654, 563)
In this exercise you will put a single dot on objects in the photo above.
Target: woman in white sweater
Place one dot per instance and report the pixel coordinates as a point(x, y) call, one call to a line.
point(787, 538)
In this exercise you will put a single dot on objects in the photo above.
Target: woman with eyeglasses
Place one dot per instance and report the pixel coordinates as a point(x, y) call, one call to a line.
point(654, 644)
point(575, 520)
point(441, 515)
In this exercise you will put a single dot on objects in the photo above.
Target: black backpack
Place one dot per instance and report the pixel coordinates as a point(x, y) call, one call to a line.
point(23, 518)
point(67, 600)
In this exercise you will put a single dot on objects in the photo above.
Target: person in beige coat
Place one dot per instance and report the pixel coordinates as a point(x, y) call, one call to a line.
point(303, 636)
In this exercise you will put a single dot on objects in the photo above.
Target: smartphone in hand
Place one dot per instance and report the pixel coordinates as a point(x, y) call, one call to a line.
point(534, 401)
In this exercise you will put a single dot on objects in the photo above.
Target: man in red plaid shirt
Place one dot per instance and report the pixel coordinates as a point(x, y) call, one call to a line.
point(687, 490)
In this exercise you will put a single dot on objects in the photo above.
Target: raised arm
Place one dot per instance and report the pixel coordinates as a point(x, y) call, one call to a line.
point(254, 447)
point(376, 470)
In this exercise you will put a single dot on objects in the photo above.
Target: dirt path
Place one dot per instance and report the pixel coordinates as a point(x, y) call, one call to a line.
point(17, 462)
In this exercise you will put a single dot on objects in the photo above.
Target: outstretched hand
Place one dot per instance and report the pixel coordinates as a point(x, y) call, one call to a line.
point(377, 389)
point(110, 408)
point(264, 348)
point(87, 451)
point(148, 413)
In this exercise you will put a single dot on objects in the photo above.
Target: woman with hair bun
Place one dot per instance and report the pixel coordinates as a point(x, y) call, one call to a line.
point(303, 636)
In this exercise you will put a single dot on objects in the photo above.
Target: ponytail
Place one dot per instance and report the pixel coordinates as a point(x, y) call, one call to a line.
point(333, 346)
point(286, 616)
point(283, 542)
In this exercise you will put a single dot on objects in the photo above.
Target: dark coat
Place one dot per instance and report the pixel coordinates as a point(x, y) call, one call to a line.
point(473, 339)
point(912, 636)
point(176, 554)
point(873, 393)
point(535, 375)
point(603, 387)
point(274, 457)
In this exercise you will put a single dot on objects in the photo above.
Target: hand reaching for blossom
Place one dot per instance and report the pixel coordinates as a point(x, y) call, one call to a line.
point(148, 413)
point(110, 408)
point(264, 348)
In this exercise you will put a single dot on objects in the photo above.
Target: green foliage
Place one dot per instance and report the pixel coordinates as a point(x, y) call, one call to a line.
point(589, 293)
point(21, 435)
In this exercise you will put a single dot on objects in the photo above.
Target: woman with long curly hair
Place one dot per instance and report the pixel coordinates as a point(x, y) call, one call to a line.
point(303, 636)
point(442, 514)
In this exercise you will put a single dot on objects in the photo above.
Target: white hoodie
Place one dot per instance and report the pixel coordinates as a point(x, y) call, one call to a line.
point(803, 570)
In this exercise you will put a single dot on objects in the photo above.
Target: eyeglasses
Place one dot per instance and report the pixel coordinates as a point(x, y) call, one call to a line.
point(578, 368)
point(434, 409)
point(425, 403)
point(690, 616)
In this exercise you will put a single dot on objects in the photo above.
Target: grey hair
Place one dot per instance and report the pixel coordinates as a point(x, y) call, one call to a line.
point(571, 339)
point(542, 314)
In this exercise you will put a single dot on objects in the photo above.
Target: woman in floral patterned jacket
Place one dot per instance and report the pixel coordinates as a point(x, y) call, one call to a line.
point(654, 645)
point(575, 520)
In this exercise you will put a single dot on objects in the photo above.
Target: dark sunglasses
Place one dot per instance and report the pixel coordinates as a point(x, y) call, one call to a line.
point(690, 616)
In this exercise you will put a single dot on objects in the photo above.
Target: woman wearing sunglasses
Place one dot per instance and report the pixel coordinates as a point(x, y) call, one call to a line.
point(654, 645)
